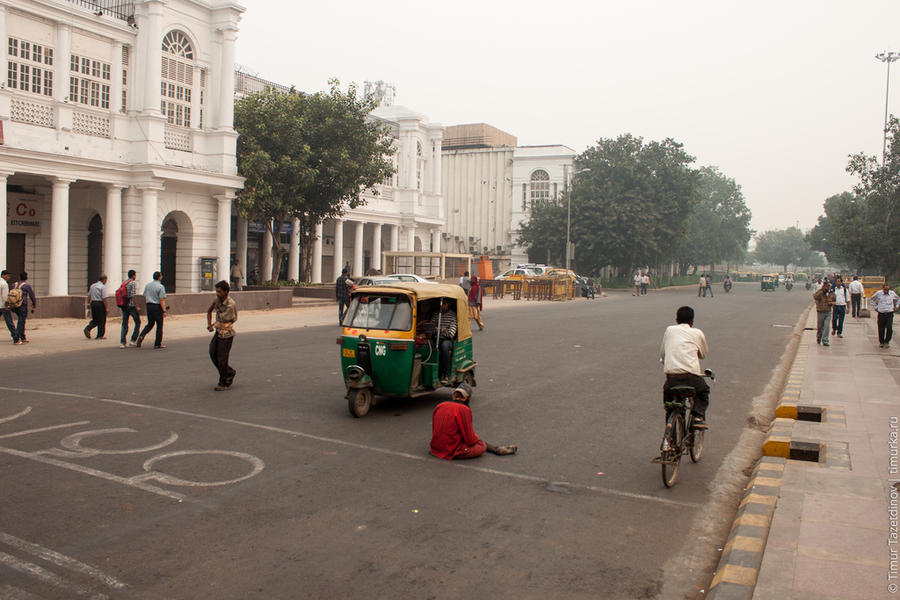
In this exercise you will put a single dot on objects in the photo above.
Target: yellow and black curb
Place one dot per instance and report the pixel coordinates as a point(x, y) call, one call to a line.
point(735, 577)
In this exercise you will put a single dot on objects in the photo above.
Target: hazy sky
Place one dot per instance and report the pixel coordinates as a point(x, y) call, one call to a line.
point(775, 94)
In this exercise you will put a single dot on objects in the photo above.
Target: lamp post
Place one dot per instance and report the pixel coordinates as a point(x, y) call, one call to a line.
point(569, 226)
point(887, 58)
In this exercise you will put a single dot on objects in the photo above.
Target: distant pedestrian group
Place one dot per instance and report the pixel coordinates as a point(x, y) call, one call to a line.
point(705, 286)
point(641, 283)
point(14, 303)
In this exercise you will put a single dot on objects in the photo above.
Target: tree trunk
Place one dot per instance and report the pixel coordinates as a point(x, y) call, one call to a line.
point(275, 225)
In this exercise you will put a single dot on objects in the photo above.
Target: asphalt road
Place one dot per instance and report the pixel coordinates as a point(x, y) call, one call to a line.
point(123, 474)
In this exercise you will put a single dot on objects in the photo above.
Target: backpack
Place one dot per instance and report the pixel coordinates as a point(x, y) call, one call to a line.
point(14, 300)
point(122, 294)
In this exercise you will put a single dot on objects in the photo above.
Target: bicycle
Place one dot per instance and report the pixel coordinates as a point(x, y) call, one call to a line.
point(680, 437)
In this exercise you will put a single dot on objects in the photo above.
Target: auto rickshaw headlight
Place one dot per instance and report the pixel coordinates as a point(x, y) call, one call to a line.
point(355, 373)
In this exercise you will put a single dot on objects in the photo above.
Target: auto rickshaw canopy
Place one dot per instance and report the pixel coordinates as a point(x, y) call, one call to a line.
point(428, 291)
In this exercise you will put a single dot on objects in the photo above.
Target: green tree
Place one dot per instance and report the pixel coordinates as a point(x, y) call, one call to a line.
point(308, 157)
point(630, 205)
point(782, 247)
point(843, 234)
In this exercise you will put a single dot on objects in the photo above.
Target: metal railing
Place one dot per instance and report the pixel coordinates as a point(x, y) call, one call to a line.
point(120, 9)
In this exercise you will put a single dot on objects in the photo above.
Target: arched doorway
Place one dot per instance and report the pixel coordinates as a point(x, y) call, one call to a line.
point(168, 265)
point(176, 254)
point(94, 250)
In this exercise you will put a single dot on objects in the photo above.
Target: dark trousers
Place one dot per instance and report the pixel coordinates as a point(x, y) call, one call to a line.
point(445, 358)
point(855, 301)
point(342, 305)
point(709, 289)
point(236, 284)
point(885, 327)
point(130, 312)
point(701, 400)
point(838, 312)
point(219, 349)
point(701, 290)
point(154, 317)
point(18, 331)
point(98, 318)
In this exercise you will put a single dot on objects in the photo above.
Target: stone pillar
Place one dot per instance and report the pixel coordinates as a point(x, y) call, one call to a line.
point(436, 171)
point(225, 101)
point(358, 249)
point(112, 238)
point(151, 47)
point(59, 238)
point(294, 251)
point(317, 255)
point(395, 238)
point(338, 249)
point(61, 58)
point(115, 93)
point(376, 246)
point(3, 49)
point(223, 236)
point(265, 271)
point(150, 233)
point(435, 240)
point(411, 239)
point(4, 175)
point(241, 249)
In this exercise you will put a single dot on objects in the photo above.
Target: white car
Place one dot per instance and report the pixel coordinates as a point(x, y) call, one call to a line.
point(410, 277)
point(517, 273)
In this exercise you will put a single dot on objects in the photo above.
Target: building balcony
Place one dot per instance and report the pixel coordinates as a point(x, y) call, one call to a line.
point(119, 9)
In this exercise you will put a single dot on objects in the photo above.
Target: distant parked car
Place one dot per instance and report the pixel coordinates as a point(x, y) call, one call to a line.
point(517, 273)
point(409, 277)
point(375, 281)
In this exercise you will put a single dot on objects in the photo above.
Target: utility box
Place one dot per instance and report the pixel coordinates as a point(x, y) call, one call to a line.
point(207, 274)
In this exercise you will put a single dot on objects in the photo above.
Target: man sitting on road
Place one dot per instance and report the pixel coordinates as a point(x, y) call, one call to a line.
point(452, 433)
point(683, 346)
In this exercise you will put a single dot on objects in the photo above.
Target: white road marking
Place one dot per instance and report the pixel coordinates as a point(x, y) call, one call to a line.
point(42, 429)
point(258, 465)
point(60, 560)
point(385, 451)
point(46, 576)
point(73, 443)
point(21, 413)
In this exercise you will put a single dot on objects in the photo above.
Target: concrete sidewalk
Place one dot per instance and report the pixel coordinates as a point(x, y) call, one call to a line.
point(833, 533)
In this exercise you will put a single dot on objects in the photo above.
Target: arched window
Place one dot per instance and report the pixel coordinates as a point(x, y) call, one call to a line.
point(540, 187)
point(177, 84)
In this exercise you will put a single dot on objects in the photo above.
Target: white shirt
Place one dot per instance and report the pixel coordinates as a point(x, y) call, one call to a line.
point(856, 287)
point(97, 291)
point(682, 348)
point(885, 303)
point(840, 296)
point(4, 293)
point(645, 280)
point(637, 280)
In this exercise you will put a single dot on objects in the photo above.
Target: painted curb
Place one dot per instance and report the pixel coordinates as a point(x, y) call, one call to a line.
point(736, 573)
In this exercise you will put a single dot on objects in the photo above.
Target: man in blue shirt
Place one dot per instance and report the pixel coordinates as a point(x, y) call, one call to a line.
point(98, 309)
point(155, 295)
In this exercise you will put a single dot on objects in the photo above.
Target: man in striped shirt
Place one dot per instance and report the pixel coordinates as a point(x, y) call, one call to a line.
point(445, 322)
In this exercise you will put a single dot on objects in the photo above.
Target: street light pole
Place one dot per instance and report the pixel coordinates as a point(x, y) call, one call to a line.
point(887, 58)
point(569, 225)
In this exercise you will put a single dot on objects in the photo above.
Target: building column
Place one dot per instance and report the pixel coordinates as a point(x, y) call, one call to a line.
point(61, 58)
point(338, 249)
point(150, 51)
point(317, 255)
point(436, 240)
point(4, 176)
point(358, 249)
point(395, 238)
point(59, 238)
point(223, 236)
point(150, 233)
point(241, 249)
point(265, 272)
point(225, 112)
point(294, 251)
point(411, 239)
point(436, 171)
point(376, 246)
point(112, 238)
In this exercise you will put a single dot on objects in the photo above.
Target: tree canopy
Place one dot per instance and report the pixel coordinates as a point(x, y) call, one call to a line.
point(308, 157)
point(782, 247)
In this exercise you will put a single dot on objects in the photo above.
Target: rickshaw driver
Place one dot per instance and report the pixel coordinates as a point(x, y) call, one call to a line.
point(452, 433)
point(682, 348)
point(445, 324)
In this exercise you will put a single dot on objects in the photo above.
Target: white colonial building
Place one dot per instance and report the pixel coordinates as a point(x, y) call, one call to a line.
point(118, 147)
point(491, 185)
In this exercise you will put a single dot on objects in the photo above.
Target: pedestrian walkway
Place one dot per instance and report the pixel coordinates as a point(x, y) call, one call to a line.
point(834, 533)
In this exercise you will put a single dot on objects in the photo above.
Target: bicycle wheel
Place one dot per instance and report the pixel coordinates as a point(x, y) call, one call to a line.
point(697, 444)
point(672, 456)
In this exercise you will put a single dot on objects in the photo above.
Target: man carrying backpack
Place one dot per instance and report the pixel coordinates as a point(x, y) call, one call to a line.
point(97, 292)
point(125, 301)
point(17, 303)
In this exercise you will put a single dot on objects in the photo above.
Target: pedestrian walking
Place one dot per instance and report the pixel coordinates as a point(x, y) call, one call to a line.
point(465, 282)
point(125, 301)
point(97, 293)
point(5, 276)
point(856, 293)
point(342, 287)
point(223, 336)
point(886, 302)
point(645, 283)
point(709, 286)
point(475, 297)
point(824, 299)
point(841, 299)
point(637, 284)
point(237, 275)
point(17, 304)
point(155, 295)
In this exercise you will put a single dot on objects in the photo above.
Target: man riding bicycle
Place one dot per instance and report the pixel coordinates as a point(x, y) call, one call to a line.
point(683, 346)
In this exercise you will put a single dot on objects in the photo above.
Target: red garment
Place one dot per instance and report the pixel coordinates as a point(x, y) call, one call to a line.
point(452, 433)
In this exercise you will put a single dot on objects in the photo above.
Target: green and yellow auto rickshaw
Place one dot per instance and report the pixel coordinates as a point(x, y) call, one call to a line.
point(767, 283)
point(390, 342)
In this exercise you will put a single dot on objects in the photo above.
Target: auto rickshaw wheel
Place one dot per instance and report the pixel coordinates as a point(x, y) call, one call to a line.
point(359, 401)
